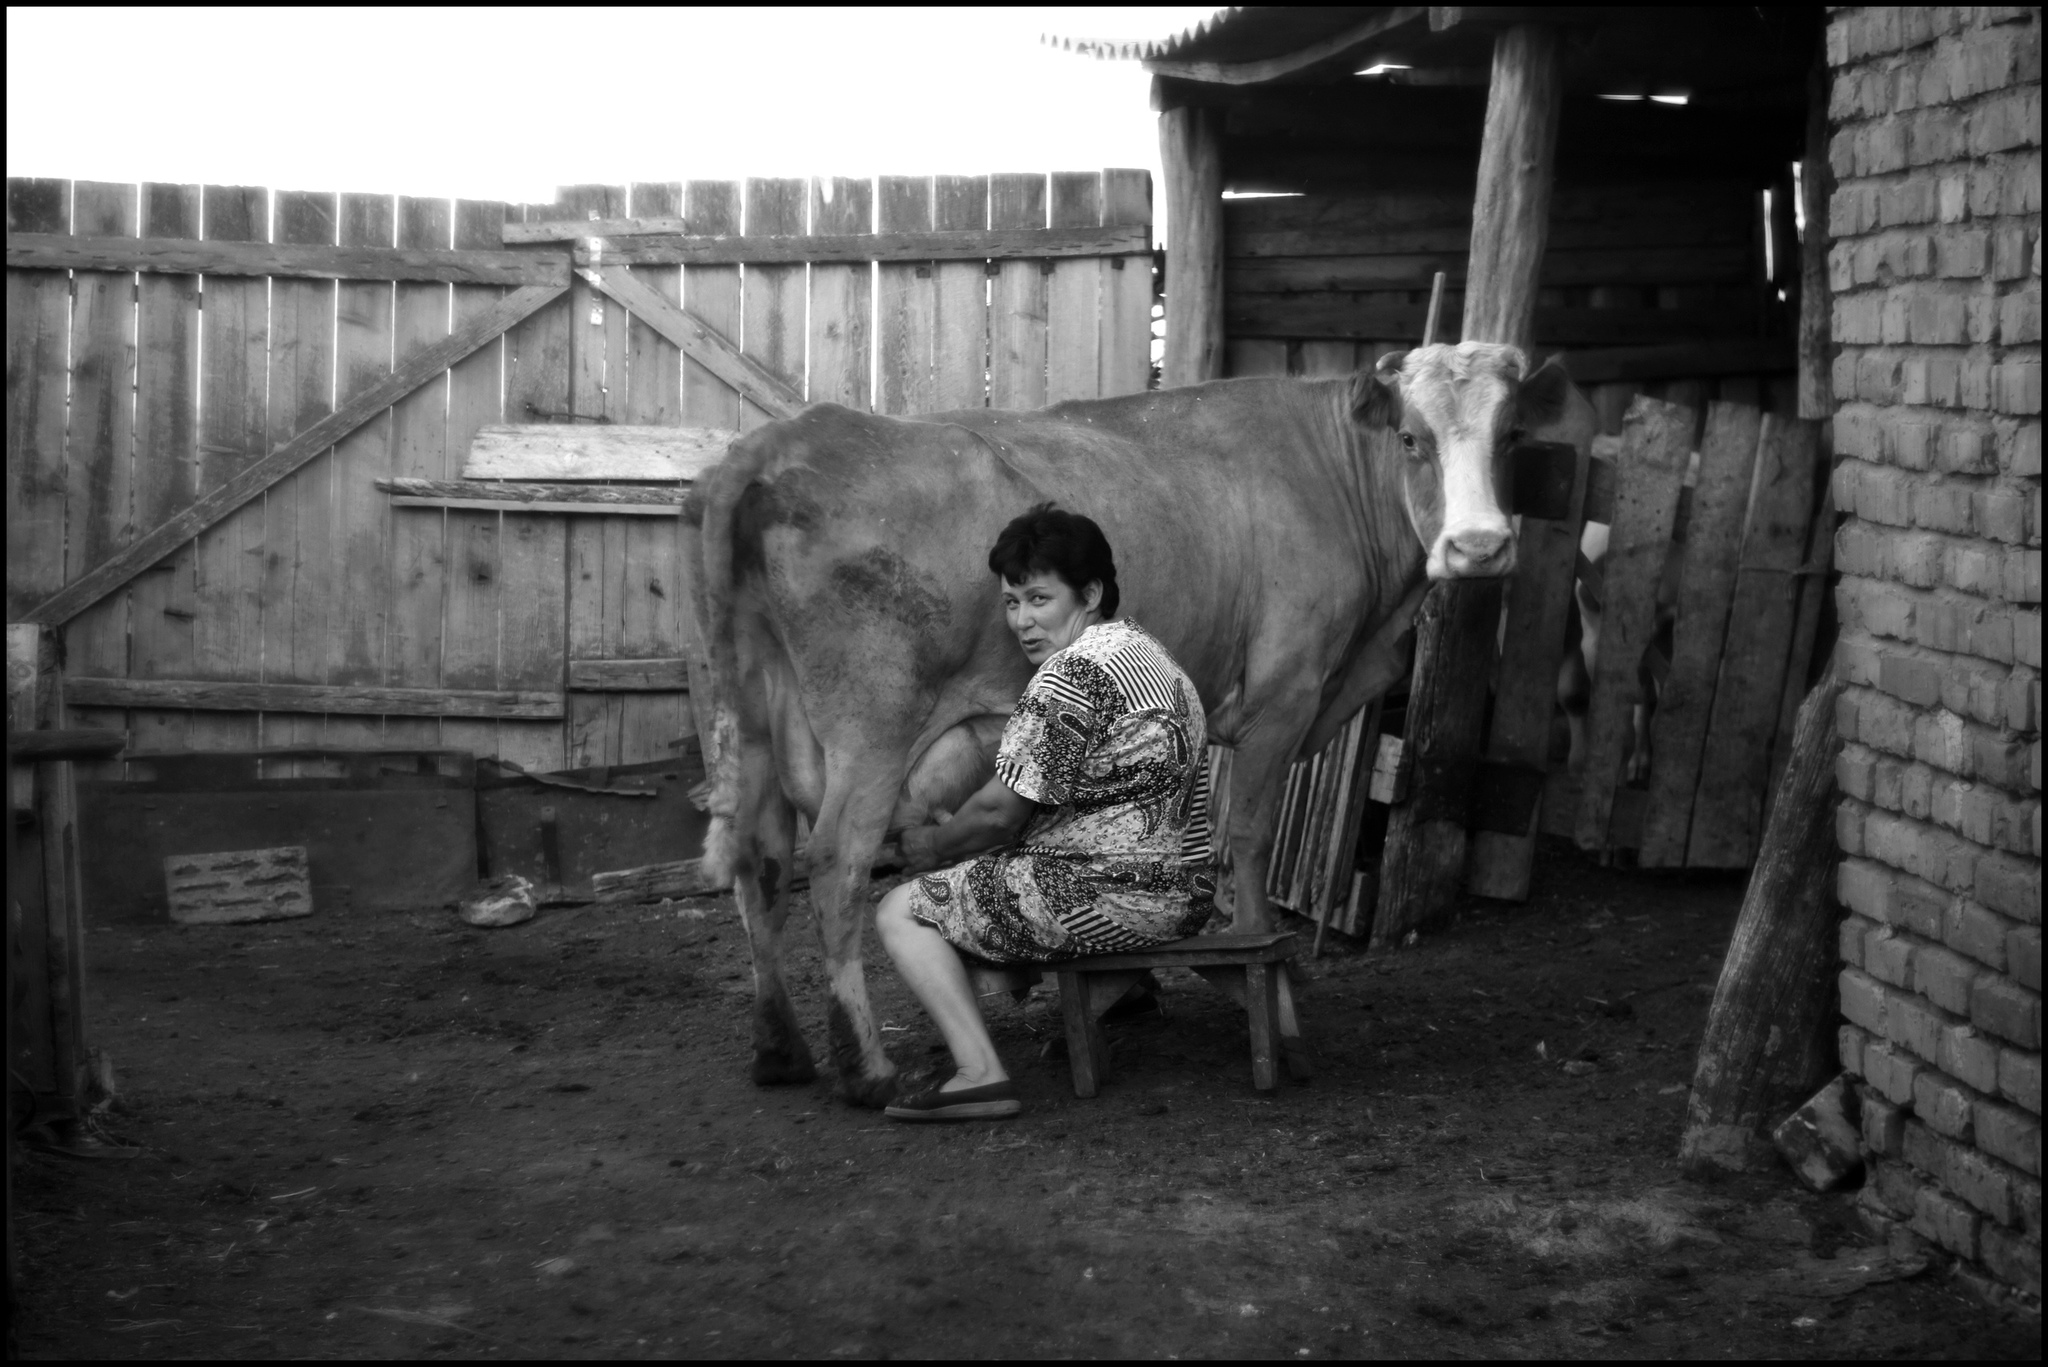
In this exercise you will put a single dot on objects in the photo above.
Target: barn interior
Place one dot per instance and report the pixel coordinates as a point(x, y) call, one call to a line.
point(1346, 143)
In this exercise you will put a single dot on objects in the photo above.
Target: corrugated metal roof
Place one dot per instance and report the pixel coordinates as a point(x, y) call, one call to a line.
point(1240, 33)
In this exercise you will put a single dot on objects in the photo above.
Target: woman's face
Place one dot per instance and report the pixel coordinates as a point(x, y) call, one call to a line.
point(1047, 615)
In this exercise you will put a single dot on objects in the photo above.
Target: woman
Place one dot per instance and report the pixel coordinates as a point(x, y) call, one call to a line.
point(1100, 782)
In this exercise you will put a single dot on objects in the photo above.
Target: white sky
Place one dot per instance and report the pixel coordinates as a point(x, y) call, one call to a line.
point(507, 103)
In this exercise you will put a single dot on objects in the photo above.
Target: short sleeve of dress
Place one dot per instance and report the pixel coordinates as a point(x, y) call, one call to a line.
point(1057, 722)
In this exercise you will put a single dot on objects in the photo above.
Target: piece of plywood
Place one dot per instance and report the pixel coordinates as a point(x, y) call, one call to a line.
point(1728, 806)
point(588, 498)
point(1706, 585)
point(960, 299)
point(1017, 310)
point(560, 451)
point(906, 302)
point(1073, 339)
point(1656, 441)
point(232, 887)
point(38, 308)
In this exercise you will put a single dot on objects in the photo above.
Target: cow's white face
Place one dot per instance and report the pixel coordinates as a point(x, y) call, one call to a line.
point(1456, 412)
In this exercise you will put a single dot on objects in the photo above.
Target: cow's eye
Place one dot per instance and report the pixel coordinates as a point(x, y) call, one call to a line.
point(1408, 441)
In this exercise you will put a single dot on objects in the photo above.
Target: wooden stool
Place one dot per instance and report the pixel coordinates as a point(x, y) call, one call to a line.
point(1250, 964)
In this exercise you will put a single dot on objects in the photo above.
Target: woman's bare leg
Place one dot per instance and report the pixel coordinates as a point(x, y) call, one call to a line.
point(932, 968)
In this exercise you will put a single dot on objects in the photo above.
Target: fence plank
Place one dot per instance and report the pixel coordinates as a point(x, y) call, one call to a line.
point(960, 332)
point(1254, 356)
point(1073, 296)
point(361, 566)
point(713, 294)
point(1499, 863)
point(841, 299)
point(1729, 803)
point(470, 609)
point(596, 546)
point(166, 449)
point(906, 302)
point(1126, 325)
point(772, 300)
point(99, 445)
point(1657, 438)
point(38, 309)
point(234, 345)
point(1017, 321)
point(649, 622)
point(286, 262)
point(418, 565)
point(1713, 543)
point(532, 603)
point(312, 701)
point(299, 598)
point(1328, 358)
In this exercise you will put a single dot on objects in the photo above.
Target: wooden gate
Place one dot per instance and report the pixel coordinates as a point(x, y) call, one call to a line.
point(227, 406)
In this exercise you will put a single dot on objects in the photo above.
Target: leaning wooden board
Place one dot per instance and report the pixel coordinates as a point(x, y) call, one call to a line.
point(1729, 804)
point(1706, 586)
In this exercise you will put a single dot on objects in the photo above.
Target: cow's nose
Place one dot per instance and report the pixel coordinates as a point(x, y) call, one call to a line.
point(1480, 549)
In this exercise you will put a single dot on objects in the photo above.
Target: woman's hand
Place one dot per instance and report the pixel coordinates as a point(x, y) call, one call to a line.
point(918, 845)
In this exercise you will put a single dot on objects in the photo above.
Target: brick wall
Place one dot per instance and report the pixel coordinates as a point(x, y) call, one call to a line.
point(1936, 275)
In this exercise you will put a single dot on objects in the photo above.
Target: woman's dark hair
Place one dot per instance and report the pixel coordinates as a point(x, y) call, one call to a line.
point(1066, 544)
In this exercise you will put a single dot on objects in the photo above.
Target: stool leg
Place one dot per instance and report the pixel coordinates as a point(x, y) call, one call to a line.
point(1293, 1048)
point(1262, 1014)
point(1081, 1030)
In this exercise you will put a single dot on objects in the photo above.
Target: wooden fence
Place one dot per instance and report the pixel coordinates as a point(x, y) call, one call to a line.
point(1736, 559)
point(206, 385)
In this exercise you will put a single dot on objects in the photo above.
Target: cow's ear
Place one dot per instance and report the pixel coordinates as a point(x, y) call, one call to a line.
point(1376, 393)
point(1543, 397)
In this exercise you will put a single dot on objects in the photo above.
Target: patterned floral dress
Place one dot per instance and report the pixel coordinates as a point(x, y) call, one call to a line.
point(1109, 739)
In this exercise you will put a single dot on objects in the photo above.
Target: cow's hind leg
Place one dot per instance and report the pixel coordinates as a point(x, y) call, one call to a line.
point(860, 792)
point(1257, 773)
point(762, 875)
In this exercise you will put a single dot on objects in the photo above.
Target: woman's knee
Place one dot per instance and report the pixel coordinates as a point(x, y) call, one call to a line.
point(892, 915)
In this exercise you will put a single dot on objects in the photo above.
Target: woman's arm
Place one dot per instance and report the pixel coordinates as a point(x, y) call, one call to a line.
point(993, 816)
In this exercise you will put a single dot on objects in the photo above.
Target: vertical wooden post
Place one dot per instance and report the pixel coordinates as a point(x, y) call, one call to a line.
point(1191, 154)
point(1424, 865)
point(1816, 301)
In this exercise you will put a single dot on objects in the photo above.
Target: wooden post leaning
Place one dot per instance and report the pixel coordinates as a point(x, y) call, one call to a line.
point(1769, 1040)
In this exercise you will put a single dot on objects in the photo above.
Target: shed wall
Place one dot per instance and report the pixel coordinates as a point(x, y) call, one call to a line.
point(1936, 275)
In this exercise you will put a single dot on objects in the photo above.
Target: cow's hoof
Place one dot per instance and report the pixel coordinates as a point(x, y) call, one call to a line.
point(781, 1070)
point(872, 1092)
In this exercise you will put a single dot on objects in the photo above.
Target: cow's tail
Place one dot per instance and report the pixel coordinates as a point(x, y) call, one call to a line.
point(717, 580)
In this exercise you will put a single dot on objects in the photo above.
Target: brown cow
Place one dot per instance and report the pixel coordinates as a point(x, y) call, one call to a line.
point(1273, 534)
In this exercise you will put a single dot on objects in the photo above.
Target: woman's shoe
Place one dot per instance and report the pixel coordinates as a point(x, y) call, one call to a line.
point(992, 1101)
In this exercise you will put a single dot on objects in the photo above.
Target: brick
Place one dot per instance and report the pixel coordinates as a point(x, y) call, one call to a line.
point(1965, 254)
point(2021, 455)
point(1946, 1107)
point(1944, 978)
point(2019, 1078)
point(1964, 451)
point(2016, 387)
point(1853, 769)
point(2026, 1195)
point(1878, 721)
point(1850, 1044)
point(1888, 957)
point(1893, 1074)
point(1853, 929)
point(2002, 1008)
point(2007, 1134)
point(1863, 1000)
point(1943, 507)
point(1898, 1188)
point(1909, 678)
point(1947, 1221)
point(1914, 1026)
point(2021, 582)
point(2023, 956)
point(1921, 850)
point(1977, 931)
point(2012, 1258)
point(1982, 1182)
point(2008, 120)
point(1849, 827)
point(2019, 318)
point(2011, 884)
point(1936, 320)
point(1968, 1057)
point(1923, 1149)
point(1883, 1125)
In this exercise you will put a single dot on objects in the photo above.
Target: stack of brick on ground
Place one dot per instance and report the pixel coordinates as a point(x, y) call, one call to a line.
point(1936, 275)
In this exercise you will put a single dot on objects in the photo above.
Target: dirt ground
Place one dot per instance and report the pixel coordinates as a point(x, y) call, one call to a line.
point(399, 1137)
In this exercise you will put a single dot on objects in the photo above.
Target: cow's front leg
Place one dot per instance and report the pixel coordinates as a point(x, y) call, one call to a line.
point(762, 876)
point(859, 795)
point(1257, 781)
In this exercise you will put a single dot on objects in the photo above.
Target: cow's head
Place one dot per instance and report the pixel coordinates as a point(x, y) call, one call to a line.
point(1455, 412)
